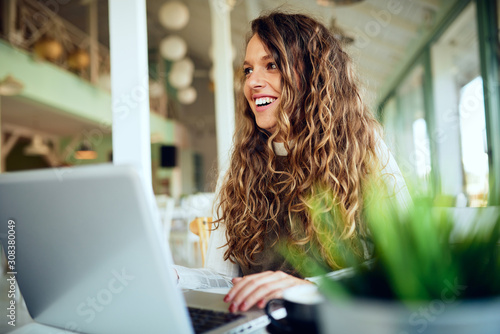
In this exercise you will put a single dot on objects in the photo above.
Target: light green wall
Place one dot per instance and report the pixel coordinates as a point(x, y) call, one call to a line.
point(48, 84)
point(162, 128)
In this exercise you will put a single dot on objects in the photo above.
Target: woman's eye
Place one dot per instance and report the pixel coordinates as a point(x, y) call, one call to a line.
point(247, 70)
point(272, 66)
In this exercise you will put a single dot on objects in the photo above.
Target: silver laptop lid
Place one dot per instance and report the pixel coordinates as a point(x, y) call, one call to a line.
point(88, 253)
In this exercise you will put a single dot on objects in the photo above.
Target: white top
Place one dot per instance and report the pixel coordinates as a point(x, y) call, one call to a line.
point(218, 273)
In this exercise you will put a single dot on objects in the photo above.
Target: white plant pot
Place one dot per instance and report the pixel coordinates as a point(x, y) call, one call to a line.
point(440, 316)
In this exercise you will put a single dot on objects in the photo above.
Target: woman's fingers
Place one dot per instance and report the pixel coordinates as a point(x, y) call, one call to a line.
point(270, 290)
point(258, 289)
point(253, 288)
point(240, 283)
point(237, 279)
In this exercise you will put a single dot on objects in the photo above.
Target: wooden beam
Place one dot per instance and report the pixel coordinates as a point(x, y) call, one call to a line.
point(26, 132)
point(9, 145)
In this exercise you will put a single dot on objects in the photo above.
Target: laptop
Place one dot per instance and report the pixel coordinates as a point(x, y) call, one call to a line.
point(89, 255)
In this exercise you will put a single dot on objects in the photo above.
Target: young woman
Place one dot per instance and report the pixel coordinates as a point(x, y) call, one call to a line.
point(304, 131)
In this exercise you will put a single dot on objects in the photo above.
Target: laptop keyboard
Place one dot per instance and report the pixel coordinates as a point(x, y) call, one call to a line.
point(206, 320)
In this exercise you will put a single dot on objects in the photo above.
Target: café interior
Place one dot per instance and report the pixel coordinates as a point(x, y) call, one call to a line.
point(70, 69)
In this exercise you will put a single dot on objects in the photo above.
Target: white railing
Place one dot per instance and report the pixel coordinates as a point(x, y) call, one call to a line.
point(33, 22)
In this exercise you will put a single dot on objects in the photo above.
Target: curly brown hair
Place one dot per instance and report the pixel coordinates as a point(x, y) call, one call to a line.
point(329, 134)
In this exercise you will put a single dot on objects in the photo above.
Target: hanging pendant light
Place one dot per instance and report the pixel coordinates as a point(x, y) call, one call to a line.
point(85, 152)
point(173, 48)
point(187, 95)
point(174, 15)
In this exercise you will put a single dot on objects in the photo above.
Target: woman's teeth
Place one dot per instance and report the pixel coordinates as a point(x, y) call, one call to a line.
point(264, 101)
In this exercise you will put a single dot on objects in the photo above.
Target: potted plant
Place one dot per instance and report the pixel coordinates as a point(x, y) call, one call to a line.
point(425, 275)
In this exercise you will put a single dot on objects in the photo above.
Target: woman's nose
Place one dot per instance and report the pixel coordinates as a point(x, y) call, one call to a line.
point(256, 80)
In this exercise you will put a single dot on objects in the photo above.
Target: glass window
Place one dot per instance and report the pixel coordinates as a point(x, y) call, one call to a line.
point(459, 113)
point(414, 128)
point(406, 128)
point(422, 149)
point(473, 141)
point(389, 121)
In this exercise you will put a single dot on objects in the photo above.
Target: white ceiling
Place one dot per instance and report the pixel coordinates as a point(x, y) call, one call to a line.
point(382, 36)
point(383, 30)
point(382, 33)
point(22, 113)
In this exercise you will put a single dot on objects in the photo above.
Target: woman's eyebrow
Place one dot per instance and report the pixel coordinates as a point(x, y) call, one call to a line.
point(266, 57)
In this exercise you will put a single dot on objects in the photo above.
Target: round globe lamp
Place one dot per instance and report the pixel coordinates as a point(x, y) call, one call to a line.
point(48, 48)
point(184, 65)
point(78, 60)
point(187, 95)
point(174, 15)
point(173, 48)
point(180, 79)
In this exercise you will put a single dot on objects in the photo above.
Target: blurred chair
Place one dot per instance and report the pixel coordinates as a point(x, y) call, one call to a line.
point(201, 226)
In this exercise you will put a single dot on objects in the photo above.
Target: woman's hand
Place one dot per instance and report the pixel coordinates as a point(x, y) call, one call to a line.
point(259, 289)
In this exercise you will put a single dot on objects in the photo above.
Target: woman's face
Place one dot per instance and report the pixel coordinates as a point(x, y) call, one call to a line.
point(262, 84)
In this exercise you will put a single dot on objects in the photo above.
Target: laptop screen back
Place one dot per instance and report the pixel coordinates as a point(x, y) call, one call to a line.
point(88, 254)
